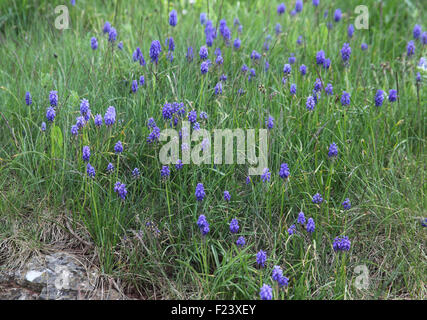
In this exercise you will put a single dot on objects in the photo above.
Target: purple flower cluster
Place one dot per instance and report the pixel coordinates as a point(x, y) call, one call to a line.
point(80, 122)
point(346, 204)
point(86, 153)
point(107, 27)
point(287, 69)
point(203, 18)
point(240, 242)
point(252, 74)
point(329, 89)
point(190, 54)
point(90, 171)
point(345, 98)
point(94, 43)
point(225, 31)
point(310, 103)
point(53, 98)
point(85, 111)
point(135, 173)
point(261, 258)
point(266, 175)
point(118, 148)
point(210, 33)
point(219, 60)
point(204, 67)
point(234, 226)
point(203, 225)
point(255, 55)
point(98, 120)
point(192, 116)
point(320, 57)
point(341, 244)
point(227, 196)
point(281, 8)
point(417, 31)
point(178, 164)
point(317, 198)
point(203, 53)
point(120, 189)
point(317, 85)
point(74, 130)
point(138, 56)
point(350, 30)
point(218, 88)
point(284, 171)
point(167, 111)
point(134, 86)
point(345, 52)
point(410, 48)
point(392, 95)
point(278, 276)
point(173, 18)
point(165, 172)
point(303, 69)
point(337, 15)
point(278, 28)
point(200, 192)
point(266, 292)
point(112, 35)
point(237, 43)
point(310, 227)
point(301, 218)
point(333, 150)
point(155, 50)
point(292, 229)
point(298, 5)
point(28, 99)
point(110, 116)
point(326, 63)
point(293, 89)
point(110, 168)
point(50, 114)
point(269, 123)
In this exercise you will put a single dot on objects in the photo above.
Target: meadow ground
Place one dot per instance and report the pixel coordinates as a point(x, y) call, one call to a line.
point(146, 231)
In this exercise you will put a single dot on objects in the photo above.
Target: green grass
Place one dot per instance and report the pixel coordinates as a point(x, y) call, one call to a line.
point(381, 165)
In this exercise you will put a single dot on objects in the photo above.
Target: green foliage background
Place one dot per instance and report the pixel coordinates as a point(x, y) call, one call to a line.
point(381, 164)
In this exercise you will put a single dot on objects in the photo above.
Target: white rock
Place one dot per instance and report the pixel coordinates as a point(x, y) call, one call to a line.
point(32, 274)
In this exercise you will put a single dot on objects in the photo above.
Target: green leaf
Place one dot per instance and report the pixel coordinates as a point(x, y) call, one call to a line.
point(46, 80)
point(56, 142)
point(74, 98)
point(323, 34)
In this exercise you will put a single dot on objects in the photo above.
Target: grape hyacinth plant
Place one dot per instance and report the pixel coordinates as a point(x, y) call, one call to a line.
point(157, 139)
